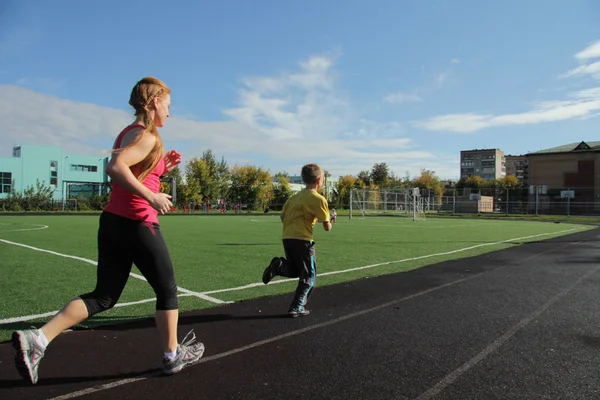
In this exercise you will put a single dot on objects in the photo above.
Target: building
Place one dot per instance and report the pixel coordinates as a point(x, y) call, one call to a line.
point(518, 166)
point(68, 174)
point(571, 167)
point(485, 163)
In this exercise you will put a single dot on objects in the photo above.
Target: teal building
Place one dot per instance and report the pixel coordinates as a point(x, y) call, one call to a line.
point(69, 175)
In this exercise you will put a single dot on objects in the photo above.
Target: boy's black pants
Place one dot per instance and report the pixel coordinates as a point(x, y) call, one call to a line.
point(299, 262)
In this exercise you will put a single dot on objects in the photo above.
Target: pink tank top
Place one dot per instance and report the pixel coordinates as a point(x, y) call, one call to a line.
point(126, 204)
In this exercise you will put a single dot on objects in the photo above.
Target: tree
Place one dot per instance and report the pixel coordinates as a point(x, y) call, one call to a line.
point(395, 182)
point(509, 182)
point(212, 177)
point(475, 182)
point(251, 185)
point(429, 181)
point(196, 173)
point(281, 192)
point(343, 187)
point(34, 198)
point(365, 178)
point(223, 178)
point(380, 174)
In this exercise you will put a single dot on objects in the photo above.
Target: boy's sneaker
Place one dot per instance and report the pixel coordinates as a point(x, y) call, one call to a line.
point(187, 354)
point(29, 353)
point(298, 313)
point(271, 270)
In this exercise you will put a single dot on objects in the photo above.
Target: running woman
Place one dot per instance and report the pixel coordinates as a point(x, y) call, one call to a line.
point(128, 233)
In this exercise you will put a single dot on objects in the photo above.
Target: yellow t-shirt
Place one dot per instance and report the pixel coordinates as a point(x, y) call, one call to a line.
point(302, 211)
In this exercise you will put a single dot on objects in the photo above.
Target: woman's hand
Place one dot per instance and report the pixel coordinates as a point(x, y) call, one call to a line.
point(172, 159)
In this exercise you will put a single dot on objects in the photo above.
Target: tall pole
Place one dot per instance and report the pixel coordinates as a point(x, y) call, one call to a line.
point(350, 205)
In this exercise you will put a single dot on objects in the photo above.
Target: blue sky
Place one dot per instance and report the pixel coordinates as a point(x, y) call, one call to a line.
point(279, 84)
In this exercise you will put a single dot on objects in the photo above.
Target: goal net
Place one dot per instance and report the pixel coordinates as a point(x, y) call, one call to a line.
point(401, 202)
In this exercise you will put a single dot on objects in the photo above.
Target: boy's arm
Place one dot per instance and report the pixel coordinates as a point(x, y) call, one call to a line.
point(323, 215)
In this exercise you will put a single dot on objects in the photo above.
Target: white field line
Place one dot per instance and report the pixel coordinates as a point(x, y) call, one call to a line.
point(297, 332)
point(140, 277)
point(52, 313)
point(343, 271)
point(431, 226)
point(39, 228)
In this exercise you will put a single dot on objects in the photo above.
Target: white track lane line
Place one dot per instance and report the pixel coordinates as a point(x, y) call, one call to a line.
point(296, 332)
point(252, 285)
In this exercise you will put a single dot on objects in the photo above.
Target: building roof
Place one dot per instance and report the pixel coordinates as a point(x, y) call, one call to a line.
point(482, 150)
point(571, 147)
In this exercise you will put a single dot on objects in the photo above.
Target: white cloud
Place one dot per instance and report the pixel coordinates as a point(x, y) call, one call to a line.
point(303, 115)
point(300, 104)
point(589, 69)
point(455, 61)
point(400, 97)
point(581, 104)
point(592, 51)
point(29, 117)
point(584, 103)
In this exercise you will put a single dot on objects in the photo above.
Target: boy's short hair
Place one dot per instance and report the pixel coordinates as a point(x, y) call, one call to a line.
point(310, 173)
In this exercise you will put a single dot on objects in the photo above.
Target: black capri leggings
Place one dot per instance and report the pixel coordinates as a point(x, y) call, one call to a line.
point(121, 243)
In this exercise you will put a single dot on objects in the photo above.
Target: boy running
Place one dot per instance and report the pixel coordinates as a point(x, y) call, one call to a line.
point(299, 216)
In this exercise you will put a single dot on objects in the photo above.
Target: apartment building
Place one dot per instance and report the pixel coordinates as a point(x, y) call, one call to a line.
point(489, 164)
point(518, 166)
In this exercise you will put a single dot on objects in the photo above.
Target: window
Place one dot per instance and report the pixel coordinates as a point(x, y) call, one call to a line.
point(5, 182)
point(17, 151)
point(53, 178)
point(53, 165)
point(84, 168)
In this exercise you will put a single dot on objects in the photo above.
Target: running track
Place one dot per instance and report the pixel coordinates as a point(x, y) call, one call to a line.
point(521, 323)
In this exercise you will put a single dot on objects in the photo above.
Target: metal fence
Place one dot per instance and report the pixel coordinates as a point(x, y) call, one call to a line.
point(537, 200)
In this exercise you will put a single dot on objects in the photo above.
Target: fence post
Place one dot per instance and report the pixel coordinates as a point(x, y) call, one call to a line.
point(350, 205)
point(385, 201)
point(568, 202)
point(507, 202)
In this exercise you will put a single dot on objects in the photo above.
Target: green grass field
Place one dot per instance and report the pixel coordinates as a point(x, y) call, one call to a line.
point(215, 254)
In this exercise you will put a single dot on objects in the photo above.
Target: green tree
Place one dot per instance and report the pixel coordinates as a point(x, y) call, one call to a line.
point(223, 178)
point(475, 182)
point(281, 192)
point(509, 182)
point(251, 186)
point(342, 190)
point(212, 177)
point(365, 178)
point(380, 174)
point(429, 181)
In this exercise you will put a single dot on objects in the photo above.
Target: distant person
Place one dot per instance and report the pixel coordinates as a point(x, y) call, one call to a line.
point(128, 233)
point(333, 216)
point(300, 214)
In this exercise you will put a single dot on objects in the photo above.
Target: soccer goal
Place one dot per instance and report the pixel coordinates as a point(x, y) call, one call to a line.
point(416, 201)
point(401, 202)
